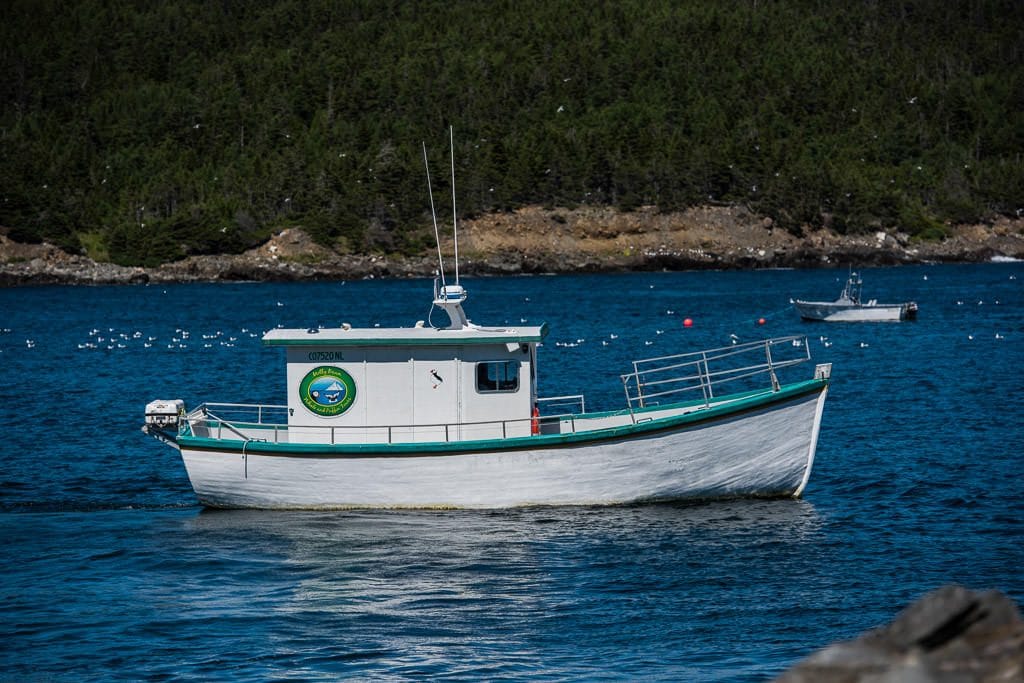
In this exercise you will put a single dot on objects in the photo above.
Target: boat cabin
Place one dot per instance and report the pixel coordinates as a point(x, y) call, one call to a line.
point(419, 384)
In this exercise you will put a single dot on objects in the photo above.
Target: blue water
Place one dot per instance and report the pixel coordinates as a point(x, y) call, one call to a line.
point(110, 570)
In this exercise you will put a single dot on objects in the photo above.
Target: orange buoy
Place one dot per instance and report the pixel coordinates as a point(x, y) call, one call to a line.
point(760, 321)
point(687, 323)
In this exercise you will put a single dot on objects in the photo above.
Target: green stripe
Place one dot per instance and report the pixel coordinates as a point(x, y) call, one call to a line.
point(743, 403)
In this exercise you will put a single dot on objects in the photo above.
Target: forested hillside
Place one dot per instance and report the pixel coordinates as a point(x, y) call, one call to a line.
point(141, 132)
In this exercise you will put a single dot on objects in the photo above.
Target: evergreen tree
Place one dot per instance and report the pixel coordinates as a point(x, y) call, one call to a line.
point(146, 133)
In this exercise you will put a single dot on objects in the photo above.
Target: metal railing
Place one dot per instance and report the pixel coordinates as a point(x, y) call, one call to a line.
point(269, 423)
point(565, 402)
point(671, 378)
point(255, 413)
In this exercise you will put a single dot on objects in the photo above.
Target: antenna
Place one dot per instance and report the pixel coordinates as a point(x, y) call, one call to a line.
point(455, 225)
point(433, 215)
point(449, 297)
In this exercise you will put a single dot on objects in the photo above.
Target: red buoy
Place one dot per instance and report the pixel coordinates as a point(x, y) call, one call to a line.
point(760, 321)
point(687, 323)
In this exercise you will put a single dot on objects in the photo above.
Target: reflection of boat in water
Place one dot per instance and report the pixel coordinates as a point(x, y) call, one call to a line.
point(850, 308)
point(401, 531)
point(382, 572)
point(707, 424)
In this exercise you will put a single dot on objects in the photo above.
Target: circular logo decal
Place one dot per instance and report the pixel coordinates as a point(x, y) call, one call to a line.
point(327, 391)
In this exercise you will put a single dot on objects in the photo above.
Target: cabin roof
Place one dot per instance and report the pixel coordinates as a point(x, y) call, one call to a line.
point(404, 336)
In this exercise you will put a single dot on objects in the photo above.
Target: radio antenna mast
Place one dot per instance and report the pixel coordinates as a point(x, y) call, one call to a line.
point(433, 215)
point(455, 225)
point(448, 297)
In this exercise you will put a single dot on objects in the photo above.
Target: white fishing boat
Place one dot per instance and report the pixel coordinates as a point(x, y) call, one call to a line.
point(850, 308)
point(428, 417)
point(450, 417)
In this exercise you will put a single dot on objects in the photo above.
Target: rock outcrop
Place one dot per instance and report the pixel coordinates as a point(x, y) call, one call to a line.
point(539, 240)
point(952, 635)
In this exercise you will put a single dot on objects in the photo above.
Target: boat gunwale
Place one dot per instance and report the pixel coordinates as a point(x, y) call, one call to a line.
point(738, 405)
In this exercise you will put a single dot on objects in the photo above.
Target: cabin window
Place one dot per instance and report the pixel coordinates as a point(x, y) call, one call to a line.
point(497, 376)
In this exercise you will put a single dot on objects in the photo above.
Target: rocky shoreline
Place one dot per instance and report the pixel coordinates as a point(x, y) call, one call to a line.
point(540, 240)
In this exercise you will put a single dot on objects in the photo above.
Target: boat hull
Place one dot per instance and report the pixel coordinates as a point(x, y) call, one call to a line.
point(763, 451)
point(832, 312)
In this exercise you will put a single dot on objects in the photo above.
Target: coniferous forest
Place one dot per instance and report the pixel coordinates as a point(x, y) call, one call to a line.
point(141, 132)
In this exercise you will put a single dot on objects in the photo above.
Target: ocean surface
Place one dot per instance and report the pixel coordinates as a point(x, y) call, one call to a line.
point(110, 570)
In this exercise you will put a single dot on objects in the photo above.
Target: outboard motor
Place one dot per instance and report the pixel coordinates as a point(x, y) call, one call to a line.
point(162, 420)
point(163, 414)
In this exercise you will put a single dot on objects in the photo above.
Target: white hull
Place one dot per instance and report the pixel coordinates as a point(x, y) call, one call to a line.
point(830, 312)
point(766, 452)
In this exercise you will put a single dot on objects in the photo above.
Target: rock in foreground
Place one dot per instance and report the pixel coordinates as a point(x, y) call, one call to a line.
point(953, 635)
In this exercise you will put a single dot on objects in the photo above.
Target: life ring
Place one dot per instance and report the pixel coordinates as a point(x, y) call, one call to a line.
point(535, 421)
